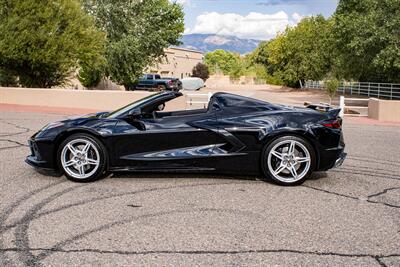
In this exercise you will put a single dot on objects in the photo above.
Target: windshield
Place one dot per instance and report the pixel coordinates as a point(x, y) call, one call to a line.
point(133, 105)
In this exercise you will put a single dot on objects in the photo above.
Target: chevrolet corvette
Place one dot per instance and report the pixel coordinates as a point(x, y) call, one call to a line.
point(233, 135)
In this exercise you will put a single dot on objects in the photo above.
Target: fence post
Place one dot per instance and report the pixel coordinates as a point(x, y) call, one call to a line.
point(391, 91)
point(351, 88)
point(342, 106)
point(379, 88)
point(369, 86)
point(359, 84)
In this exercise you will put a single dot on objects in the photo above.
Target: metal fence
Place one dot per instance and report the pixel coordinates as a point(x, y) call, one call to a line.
point(260, 81)
point(197, 100)
point(378, 90)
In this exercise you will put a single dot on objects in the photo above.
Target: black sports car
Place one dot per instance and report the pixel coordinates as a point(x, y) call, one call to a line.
point(234, 135)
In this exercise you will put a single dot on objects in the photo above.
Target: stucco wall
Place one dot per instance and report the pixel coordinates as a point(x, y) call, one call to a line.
point(384, 110)
point(82, 99)
point(178, 63)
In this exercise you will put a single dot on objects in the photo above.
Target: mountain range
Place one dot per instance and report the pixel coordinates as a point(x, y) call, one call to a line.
point(211, 42)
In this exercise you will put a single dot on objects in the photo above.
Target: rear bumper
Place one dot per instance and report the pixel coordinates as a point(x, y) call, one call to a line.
point(174, 88)
point(340, 160)
point(331, 158)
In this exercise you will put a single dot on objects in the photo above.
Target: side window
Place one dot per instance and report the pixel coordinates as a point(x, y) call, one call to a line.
point(157, 76)
point(149, 77)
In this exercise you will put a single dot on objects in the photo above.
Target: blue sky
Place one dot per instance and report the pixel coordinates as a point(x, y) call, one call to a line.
point(259, 19)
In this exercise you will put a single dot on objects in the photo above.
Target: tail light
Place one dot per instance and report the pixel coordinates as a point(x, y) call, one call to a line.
point(170, 82)
point(334, 124)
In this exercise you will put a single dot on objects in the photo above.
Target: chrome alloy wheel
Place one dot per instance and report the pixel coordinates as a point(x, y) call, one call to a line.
point(80, 158)
point(289, 161)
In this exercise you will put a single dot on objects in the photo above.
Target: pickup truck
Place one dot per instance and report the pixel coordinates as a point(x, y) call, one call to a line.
point(154, 82)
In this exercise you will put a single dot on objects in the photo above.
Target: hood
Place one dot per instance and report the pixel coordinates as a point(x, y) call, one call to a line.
point(101, 114)
point(93, 121)
point(82, 119)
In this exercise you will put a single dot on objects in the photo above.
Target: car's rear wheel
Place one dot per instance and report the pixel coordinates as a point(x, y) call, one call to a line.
point(288, 160)
point(161, 87)
point(82, 158)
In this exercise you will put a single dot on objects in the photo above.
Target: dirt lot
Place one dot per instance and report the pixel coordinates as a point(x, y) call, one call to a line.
point(345, 217)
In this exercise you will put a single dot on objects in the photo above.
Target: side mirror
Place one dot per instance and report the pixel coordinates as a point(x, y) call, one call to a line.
point(135, 113)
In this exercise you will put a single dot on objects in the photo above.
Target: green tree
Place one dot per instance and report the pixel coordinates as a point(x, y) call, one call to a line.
point(7, 78)
point(201, 71)
point(259, 65)
point(137, 33)
point(228, 62)
point(43, 41)
point(367, 38)
point(300, 53)
point(261, 56)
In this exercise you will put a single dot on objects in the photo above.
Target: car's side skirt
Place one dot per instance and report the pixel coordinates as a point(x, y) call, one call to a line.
point(164, 169)
point(214, 150)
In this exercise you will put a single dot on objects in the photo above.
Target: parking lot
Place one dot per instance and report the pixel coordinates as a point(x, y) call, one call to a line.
point(348, 216)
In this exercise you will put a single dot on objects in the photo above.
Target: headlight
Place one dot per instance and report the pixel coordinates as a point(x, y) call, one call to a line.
point(52, 125)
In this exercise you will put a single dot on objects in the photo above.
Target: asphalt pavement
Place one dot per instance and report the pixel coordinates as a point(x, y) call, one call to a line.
point(348, 216)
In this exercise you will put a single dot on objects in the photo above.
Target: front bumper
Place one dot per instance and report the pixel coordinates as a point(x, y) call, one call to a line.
point(41, 167)
point(34, 162)
point(42, 154)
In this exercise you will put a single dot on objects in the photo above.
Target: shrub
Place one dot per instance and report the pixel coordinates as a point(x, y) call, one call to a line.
point(89, 76)
point(331, 87)
point(201, 71)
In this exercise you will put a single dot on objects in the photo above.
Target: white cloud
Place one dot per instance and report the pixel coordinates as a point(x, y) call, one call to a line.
point(297, 17)
point(253, 25)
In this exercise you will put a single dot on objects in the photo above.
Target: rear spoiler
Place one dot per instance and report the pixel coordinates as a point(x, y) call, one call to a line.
point(325, 108)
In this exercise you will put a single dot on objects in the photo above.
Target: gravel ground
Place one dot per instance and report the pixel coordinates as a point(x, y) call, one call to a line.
point(349, 216)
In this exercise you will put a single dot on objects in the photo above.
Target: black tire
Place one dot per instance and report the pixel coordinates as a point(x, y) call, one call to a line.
point(268, 176)
point(130, 87)
point(102, 152)
point(161, 88)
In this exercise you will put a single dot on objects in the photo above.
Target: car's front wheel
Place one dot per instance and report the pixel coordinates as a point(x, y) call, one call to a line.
point(288, 160)
point(82, 158)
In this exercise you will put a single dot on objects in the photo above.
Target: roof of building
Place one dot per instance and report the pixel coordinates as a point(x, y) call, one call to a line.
point(186, 49)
